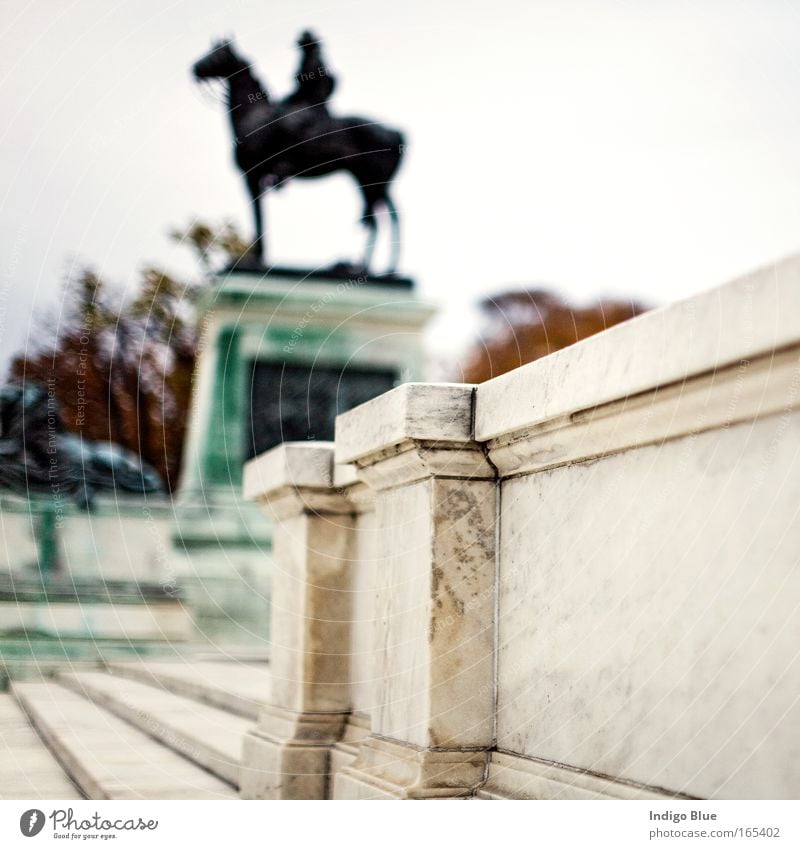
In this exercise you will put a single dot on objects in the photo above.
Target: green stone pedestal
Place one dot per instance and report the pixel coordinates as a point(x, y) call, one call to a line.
point(282, 353)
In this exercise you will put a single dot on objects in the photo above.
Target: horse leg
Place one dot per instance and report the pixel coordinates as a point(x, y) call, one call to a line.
point(394, 257)
point(372, 234)
point(258, 248)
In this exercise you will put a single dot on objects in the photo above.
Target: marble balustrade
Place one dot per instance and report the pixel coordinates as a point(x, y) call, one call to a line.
point(577, 580)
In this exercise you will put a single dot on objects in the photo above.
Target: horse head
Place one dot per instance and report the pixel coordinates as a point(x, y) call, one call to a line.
point(221, 62)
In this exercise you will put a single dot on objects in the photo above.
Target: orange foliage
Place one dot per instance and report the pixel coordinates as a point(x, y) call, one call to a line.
point(120, 374)
point(526, 325)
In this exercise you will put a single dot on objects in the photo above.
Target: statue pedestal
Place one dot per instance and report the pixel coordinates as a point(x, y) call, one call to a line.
point(79, 585)
point(281, 354)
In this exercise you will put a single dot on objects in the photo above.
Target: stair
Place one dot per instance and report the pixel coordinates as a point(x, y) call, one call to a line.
point(241, 688)
point(28, 769)
point(106, 756)
point(210, 737)
point(145, 729)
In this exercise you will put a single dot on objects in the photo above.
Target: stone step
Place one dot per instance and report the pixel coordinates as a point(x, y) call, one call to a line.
point(28, 769)
point(210, 737)
point(239, 687)
point(106, 756)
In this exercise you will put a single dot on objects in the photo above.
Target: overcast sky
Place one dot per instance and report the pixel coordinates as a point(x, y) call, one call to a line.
point(639, 148)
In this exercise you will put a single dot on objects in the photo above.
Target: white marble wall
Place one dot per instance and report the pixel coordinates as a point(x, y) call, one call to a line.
point(648, 618)
point(650, 614)
point(579, 579)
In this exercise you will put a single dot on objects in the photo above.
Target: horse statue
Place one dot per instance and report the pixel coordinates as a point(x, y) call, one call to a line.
point(297, 138)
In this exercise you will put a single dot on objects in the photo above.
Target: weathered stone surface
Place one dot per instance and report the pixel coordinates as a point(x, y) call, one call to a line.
point(292, 464)
point(433, 590)
point(648, 614)
point(288, 755)
point(345, 750)
point(312, 613)
point(296, 478)
point(515, 777)
point(385, 769)
point(436, 613)
point(751, 389)
point(438, 413)
point(364, 630)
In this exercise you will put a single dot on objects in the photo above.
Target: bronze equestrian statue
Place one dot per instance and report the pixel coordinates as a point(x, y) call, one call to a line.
point(39, 455)
point(277, 141)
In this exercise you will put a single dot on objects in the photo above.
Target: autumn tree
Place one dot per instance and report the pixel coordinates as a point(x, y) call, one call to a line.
point(213, 246)
point(522, 326)
point(121, 367)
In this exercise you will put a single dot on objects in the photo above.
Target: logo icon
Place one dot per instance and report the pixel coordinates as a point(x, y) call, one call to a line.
point(31, 822)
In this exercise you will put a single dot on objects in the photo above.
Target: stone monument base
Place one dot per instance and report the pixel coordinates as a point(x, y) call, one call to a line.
point(282, 352)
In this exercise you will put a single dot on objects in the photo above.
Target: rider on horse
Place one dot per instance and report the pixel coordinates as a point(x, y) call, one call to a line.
point(315, 83)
